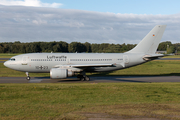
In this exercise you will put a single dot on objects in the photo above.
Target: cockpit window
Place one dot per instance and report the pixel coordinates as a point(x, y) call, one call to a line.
point(12, 59)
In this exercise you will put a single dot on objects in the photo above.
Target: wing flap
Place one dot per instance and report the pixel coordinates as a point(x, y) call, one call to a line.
point(81, 67)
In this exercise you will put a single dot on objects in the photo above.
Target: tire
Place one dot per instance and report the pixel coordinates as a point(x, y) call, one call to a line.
point(87, 78)
point(82, 78)
point(28, 78)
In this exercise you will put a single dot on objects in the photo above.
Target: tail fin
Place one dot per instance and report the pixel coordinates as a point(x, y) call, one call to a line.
point(150, 42)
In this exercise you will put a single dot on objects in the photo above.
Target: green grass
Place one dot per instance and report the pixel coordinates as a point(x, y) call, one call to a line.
point(159, 68)
point(172, 56)
point(84, 100)
point(74, 101)
point(5, 55)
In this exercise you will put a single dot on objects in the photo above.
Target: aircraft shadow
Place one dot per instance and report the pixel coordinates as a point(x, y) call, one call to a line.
point(103, 78)
point(115, 79)
point(107, 74)
point(92, 79)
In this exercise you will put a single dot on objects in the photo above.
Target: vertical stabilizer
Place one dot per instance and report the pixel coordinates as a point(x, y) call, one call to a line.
point(150, 42)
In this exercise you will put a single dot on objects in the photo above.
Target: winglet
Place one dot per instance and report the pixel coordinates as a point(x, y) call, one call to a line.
point(150, 42)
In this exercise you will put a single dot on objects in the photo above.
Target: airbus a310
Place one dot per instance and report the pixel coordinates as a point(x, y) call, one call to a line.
point(63, 65)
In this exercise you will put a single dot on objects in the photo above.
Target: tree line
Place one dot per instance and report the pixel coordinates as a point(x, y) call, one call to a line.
point(64, 47)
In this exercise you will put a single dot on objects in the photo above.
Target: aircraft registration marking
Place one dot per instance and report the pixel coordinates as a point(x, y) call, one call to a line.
point(41, 67)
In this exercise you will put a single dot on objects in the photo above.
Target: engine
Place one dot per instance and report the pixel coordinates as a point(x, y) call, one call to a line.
point(59, 73)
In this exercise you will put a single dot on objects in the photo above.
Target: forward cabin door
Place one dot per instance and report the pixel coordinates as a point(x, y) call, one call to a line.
point(25, 60)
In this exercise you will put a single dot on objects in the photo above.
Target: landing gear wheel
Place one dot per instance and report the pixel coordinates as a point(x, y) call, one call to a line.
point(28, 78)
point(87, 78)
point(83, 76)
point(82, 79)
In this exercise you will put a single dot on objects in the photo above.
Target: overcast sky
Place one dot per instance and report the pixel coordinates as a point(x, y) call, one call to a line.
point(95, 21)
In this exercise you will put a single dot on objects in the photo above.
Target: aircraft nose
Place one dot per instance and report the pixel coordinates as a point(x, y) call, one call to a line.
point(6, 64)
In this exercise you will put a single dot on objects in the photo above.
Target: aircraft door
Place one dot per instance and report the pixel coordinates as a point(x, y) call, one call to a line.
point(125, 59)
point(25, 60)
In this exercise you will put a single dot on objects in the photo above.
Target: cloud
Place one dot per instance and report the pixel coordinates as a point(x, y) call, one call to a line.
point(32, 3)
point(28, 24)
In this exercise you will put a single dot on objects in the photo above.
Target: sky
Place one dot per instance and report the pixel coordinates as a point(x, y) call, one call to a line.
point(95, 21)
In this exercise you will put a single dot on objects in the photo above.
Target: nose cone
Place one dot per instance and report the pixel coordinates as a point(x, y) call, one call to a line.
point(6, 64)
point(11, 65)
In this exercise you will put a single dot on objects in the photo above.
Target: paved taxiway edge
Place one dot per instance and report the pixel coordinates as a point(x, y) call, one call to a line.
point(98, 79)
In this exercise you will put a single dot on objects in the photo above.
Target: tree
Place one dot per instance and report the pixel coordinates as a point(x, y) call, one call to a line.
point(76, 47)
point(64, 46)
point(57, 48)
point(1, 48)
point(88, 47)
point(95, 48)
point(163, 46)
point(170, 49)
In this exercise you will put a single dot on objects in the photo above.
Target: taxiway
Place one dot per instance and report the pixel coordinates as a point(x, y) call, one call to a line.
point(94, 79)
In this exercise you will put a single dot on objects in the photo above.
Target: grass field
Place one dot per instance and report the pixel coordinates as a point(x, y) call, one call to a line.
point(83, 100)
point(5, 55)
point(172, 56)
point(80, 101)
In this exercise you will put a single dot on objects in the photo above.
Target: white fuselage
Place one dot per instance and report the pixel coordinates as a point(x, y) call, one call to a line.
point(44, 62)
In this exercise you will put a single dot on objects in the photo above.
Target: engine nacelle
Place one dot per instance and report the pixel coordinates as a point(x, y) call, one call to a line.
point(58, 73)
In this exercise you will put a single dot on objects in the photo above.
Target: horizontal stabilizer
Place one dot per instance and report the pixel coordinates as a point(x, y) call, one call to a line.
point(152, 57)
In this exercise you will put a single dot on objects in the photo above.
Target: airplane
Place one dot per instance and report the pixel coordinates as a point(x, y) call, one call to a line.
point(63, 65)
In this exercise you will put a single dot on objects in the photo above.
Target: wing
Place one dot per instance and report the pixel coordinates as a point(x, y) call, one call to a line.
point(81, 67)
point(92, 65)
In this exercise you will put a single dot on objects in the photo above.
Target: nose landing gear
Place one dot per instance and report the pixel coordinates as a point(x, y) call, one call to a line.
point(27, 78)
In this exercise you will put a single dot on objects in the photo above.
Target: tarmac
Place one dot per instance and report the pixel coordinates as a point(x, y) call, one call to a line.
point(93, 79)
point(2, 60)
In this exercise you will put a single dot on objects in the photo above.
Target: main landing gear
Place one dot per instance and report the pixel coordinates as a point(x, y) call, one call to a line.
point(28, 78)
point(83, 77)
